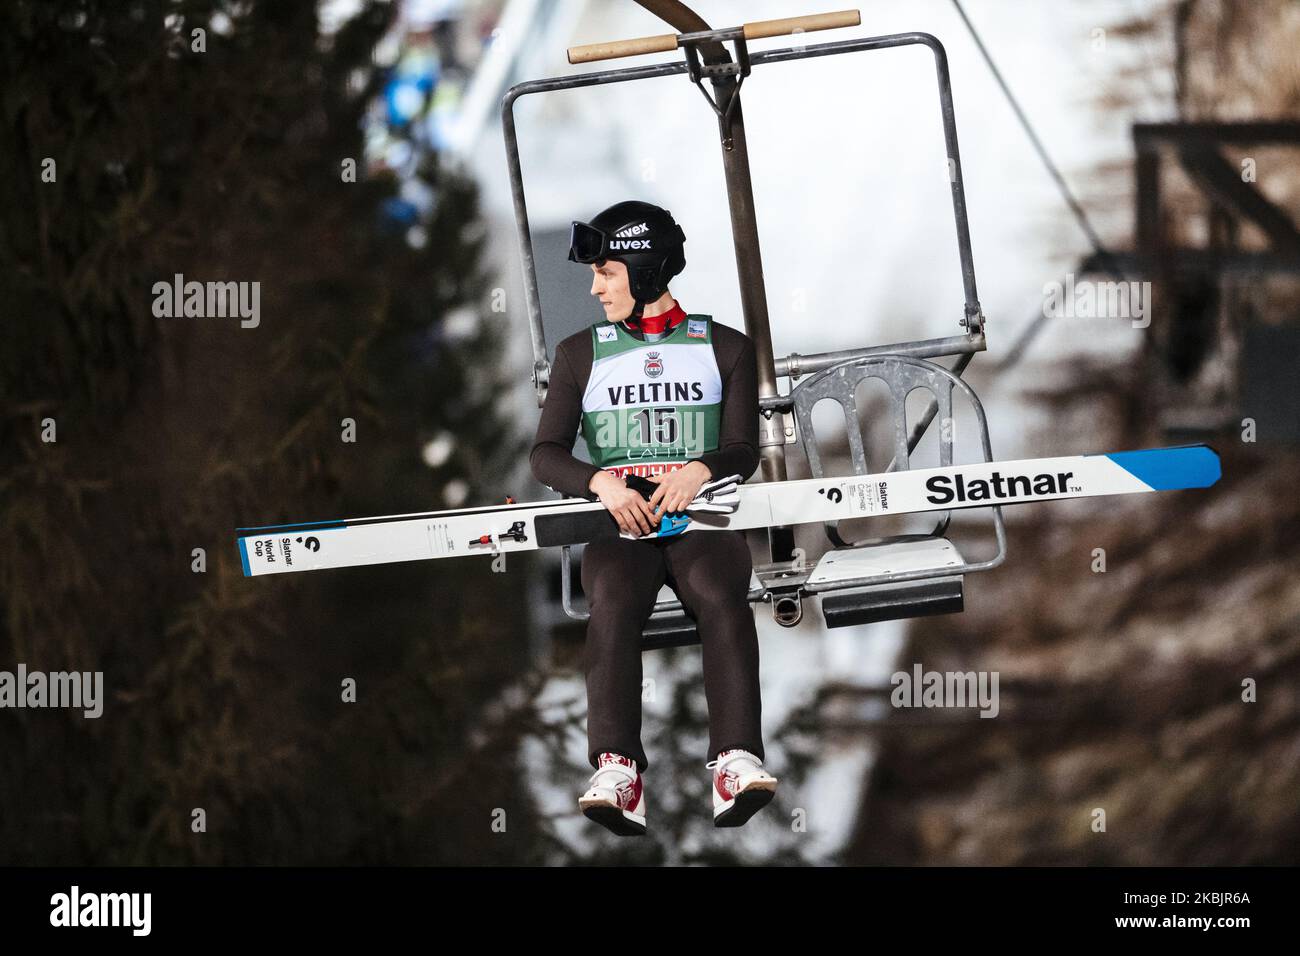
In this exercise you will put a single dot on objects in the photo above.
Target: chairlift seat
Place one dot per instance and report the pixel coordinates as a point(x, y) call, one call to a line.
point(889, 601)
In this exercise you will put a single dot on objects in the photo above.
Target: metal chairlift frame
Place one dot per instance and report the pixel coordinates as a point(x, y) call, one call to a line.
point(924, 572)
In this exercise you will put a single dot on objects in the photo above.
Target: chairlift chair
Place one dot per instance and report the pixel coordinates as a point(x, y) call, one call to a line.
point(857, 582)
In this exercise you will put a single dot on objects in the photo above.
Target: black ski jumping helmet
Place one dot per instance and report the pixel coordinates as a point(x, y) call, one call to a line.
point(642, 236)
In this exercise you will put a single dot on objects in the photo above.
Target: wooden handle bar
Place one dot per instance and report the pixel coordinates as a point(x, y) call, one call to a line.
point(809, 23)
point(665, 42)
point(615, 48)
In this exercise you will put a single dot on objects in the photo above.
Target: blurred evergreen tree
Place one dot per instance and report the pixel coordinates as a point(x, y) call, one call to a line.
point(223, 693)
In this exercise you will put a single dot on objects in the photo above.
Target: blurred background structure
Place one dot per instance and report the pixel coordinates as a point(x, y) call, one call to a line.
point(393, 298)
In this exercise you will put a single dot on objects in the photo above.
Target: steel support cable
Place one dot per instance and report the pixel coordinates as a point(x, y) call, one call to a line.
point(1103, 254)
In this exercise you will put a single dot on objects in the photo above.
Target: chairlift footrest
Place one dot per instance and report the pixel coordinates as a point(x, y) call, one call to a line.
point(673, 630)
point(891, 602)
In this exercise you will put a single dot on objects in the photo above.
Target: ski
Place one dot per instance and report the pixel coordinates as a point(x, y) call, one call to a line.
point(723, 504)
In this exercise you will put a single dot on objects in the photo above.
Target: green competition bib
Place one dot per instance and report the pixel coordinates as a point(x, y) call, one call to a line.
point(650, 407)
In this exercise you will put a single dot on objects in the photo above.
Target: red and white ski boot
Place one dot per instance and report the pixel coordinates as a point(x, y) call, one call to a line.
point(616, 799)
point(741, 787)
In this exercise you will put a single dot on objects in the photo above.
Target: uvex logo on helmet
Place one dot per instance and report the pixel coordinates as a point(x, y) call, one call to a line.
point(641, 235)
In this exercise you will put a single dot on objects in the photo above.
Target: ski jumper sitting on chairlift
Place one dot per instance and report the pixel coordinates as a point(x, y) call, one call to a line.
point(672, 398)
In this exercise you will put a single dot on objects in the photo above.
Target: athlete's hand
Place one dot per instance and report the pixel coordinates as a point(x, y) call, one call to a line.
point(632, 512)
point(677, 489)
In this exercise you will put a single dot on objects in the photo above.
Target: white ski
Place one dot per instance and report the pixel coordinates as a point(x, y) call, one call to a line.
point(723, 504)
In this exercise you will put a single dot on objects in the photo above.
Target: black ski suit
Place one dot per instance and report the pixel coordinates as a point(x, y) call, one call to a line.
point(709, 571)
